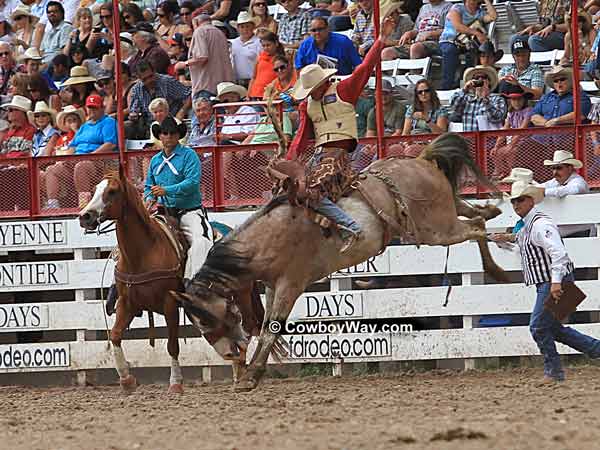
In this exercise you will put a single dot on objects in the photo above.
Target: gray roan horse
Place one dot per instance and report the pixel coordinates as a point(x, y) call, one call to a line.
point(414, 199)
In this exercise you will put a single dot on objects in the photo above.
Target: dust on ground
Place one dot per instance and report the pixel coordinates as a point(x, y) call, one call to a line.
point(505, 409)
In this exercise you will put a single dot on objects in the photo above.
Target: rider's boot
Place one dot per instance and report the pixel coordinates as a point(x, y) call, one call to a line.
point(350, 238)
point(350, 231)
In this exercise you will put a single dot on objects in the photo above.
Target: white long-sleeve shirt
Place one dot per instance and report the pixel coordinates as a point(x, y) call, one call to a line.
point(544, 233)
point(574, 185)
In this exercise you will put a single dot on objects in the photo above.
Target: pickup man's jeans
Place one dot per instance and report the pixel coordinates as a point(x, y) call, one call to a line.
point(545, 330)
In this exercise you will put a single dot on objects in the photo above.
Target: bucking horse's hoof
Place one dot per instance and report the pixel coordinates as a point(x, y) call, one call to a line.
point(128, 384)
point(245, 385)
point(176, 388)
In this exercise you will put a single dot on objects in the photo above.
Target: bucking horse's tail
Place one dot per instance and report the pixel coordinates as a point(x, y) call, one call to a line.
point(452, 155)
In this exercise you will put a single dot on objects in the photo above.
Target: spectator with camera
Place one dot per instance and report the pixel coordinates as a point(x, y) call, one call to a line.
point(474, 105)
point(464, 31)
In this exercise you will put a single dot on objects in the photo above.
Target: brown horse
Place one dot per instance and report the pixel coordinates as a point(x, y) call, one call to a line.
point(413, 199)
point(149, 267)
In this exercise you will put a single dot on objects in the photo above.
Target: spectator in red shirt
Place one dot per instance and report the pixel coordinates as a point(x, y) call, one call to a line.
point(18, 140)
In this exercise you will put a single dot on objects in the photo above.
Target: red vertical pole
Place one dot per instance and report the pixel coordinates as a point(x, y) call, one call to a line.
point(218, 188)
point(34, 187)
point(119, 85)
point(579, 141)
point(378, 93)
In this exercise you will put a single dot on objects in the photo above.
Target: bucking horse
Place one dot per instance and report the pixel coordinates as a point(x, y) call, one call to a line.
point(284, 247)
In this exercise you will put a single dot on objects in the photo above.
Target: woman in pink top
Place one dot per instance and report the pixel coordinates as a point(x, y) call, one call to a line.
point(264, 73)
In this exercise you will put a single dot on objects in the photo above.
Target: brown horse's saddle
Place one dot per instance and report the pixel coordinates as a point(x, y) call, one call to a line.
point(170, 226)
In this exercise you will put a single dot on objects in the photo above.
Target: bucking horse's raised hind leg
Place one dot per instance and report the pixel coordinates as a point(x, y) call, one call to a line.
point(172, 319)
point(278, 310)
point(123, 319)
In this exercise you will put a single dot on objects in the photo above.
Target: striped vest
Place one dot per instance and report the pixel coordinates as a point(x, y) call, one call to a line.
point(536, 263)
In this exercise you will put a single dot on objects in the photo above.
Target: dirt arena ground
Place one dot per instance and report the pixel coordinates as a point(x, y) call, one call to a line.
point(505, 409)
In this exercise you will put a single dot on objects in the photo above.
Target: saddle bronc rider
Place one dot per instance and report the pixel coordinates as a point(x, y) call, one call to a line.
point(174, 180)
point(328, 113)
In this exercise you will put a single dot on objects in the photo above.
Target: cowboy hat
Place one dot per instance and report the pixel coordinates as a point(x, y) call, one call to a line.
point(227, 87)
point(23, 10)
point(68, 110)
point(79, 75)
point(487, 70)
point(169, 124)
point(487, 48)
point(41, 107)
point(19, 102)
point(519, 174)
point(31, 53)
point(521, 188)
point(508, 90)
point(563, 157)
point(244, 17)
point(311, 77)
point(567, 72)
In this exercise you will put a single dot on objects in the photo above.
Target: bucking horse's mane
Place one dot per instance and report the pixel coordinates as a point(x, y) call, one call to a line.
point(452, 155)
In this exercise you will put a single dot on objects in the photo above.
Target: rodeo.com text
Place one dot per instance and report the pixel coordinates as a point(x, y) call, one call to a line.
point(13, 358)
point(352, 346)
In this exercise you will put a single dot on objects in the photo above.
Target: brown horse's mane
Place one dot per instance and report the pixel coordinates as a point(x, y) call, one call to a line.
point(133, 201)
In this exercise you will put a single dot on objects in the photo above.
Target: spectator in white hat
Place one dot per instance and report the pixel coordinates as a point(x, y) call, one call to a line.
point(245, 49)
point(18, 140)
point(43, 118)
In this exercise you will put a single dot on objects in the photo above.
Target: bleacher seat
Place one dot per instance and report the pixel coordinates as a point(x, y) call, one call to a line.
point(445, 96)
point(545, 59)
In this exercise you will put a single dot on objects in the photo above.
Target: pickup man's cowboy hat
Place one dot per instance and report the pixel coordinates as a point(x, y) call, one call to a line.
point(563, 157)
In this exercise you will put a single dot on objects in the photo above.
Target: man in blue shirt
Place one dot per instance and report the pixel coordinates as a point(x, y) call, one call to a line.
point(332, 45)
point(98, 134)
point(556, 107)
point(174, 180)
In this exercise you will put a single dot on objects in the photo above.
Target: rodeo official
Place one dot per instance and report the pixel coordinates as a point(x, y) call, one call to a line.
point(329, 114)
point(546, 264)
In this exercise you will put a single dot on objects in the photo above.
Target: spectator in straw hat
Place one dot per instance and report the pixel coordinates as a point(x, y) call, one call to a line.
point(31, 60)
point(474, 105)
point(239, 121)
point(556, 107)
point(18, 140)
point(46, 135)
point(245, 49)
point(68, 121)
point(80, 84)
point(546, 264)
point(24, 24)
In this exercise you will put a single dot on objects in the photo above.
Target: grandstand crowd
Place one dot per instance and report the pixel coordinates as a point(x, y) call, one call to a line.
point(180, 58)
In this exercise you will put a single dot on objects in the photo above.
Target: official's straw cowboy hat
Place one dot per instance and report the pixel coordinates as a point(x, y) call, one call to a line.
point(78, 75)
point(41, 107)
point(563, 157)
point(556, 71)
point(521, 188)
point(311, 77)
point(66, 112)
point(519, 174)
point(19, 102)
point(487, 70)
point(227, 87)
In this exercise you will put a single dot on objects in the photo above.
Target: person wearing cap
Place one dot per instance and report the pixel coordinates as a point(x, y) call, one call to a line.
point(523, 73)
point(556, 107)
point(503, 154)
point(174, 179)
point(474, 105)
point(18, 140)
point(545, 264)
point(207, 62)
point(393, 114)
point(245, 49)
point(327, 112)
point(151, 85)
point(145, 41)
point(549, 33)
point(57, 37)
point(99, 133)
point(335, 47)
point(294, 25)
point(460, 18)
point(46, 135)
point(177, 50)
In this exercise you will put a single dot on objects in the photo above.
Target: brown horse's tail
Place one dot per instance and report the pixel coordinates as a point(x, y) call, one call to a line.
point(452, 155)
point(489, 265)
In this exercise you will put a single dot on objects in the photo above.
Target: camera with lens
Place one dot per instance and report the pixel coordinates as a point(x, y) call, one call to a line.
point(478, 83)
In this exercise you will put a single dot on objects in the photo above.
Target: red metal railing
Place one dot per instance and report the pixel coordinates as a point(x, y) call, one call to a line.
point(234, 176)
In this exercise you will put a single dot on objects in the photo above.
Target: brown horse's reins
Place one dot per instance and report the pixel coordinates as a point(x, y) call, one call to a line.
point(132, 279)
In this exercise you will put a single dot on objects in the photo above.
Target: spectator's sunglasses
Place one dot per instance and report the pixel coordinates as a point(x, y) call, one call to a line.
point(183, 14)
point(481, 77)
point(317, 30)
point(106, 16)
point(559, 80)
point(161, 15)
point(560, 167)
point(280, 68)
point(260, 4)
point(126, 16)
point(4, 54)
point(54, 11)
point(424, 91)
point(19, 18)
